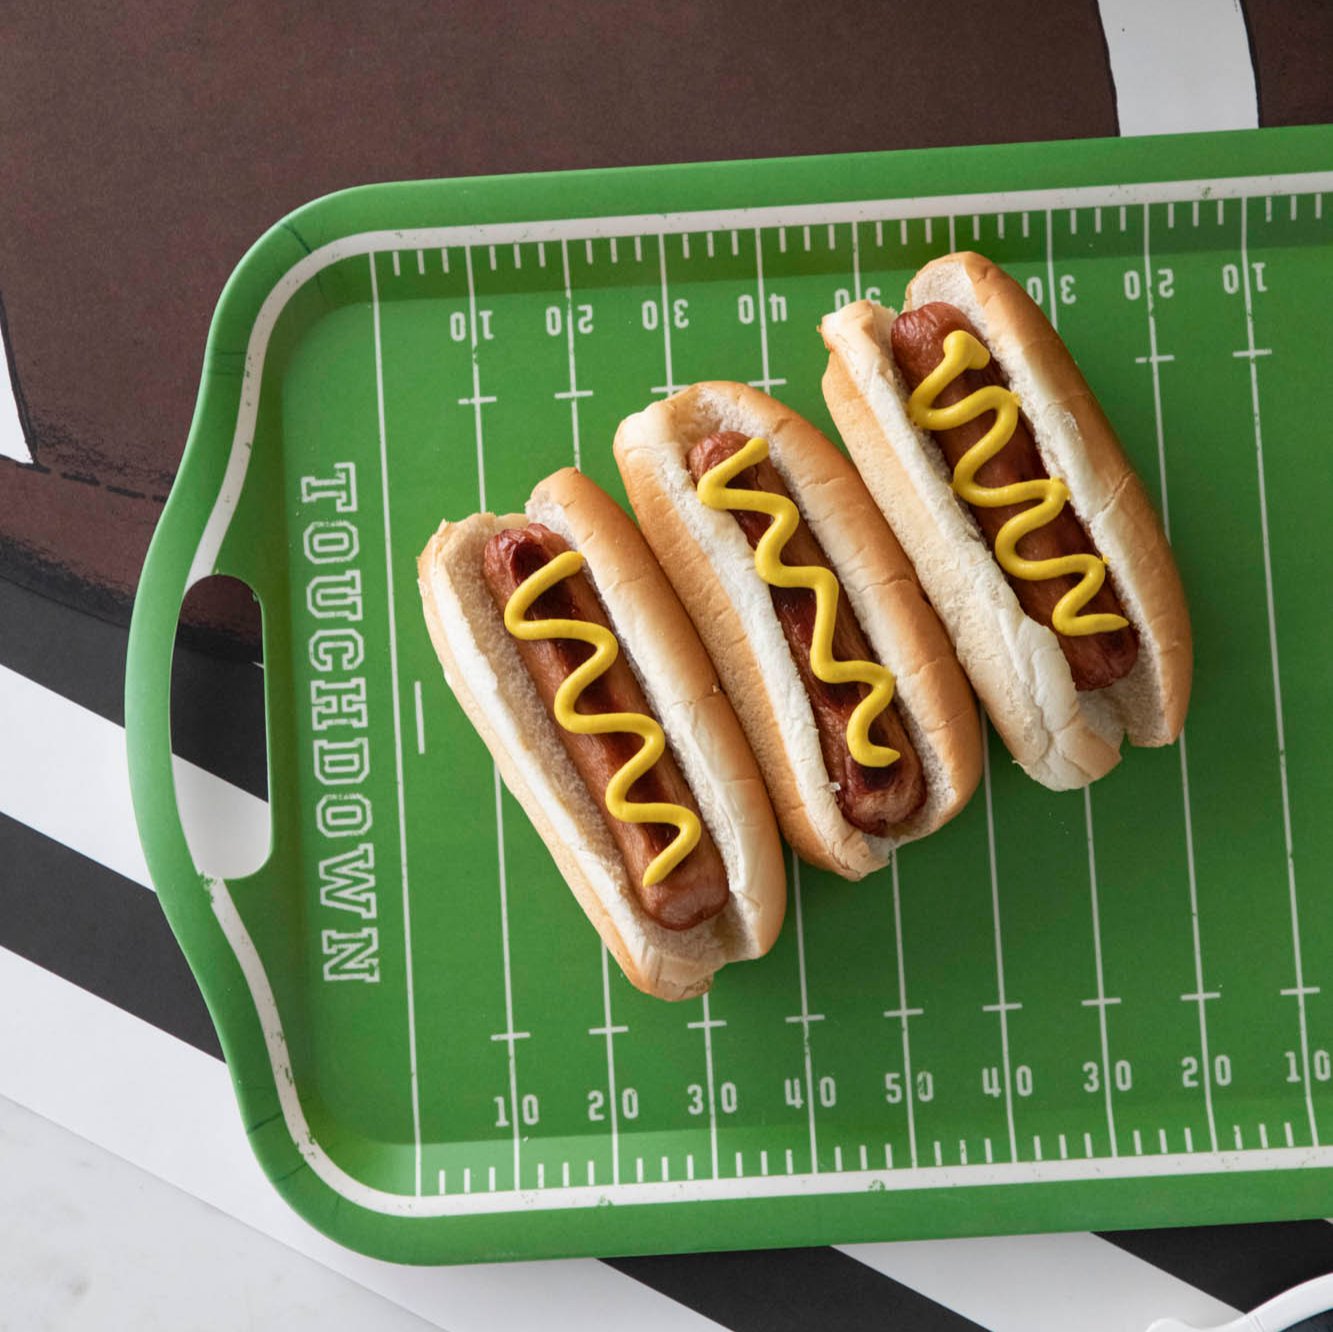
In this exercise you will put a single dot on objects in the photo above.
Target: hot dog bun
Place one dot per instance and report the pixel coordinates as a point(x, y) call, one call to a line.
point(711, 566)
point(1063, 738)
point(482, 667)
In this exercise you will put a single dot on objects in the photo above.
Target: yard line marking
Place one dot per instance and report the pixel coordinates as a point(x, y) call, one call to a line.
point(1161, 1141)
point(782, 240)
point(444, 258)
point(939, 1155)
point(685, 245)
point(805, 1014)
point(476, 378)
point(638, 1170)
point(879, 233)
point(467, 1179)
point(1097, 220)
point(1073, 222)
point(1003, 1006)
point(1124, 217)
point(1291, 1135)
point(1200, 996)
point(1189, 1139)
point(610, 1032)
point(1101, 1001)
point(511, 1036)
point(837, 1158)
point(1190, 870)
point(1221, 211)
point(1194, 213)
point(1027, 225)
point(573, 373)
point(1050, 266)
point(615, 255)
point(1158, 358)
point(564, 1174)
point(389, 566)
point(888, 1156)
point(763, 1163)
point(490, 1179)
point(953, 239)
point(832, 236)
point(666, 1170)
point(541, 254)
point(592, 1174)
point(440, 1181)
point(638, 249)
point(518, 255)
point(397, 270)
point(1170, 215)
point(962, 1152)
point(990, 1151)
point(767, 382)
point(670, 386)
point(902, 231)
point(856, 264)
point(1240, 1141)
point(805, 237)
point(903, 1012)
point(1268, 211)
point(421, 262)
point(735, 244)
point(587, 251)
point(929, 232)
point(1319, 205)
point(865, 1157)
point(541, 1174)
point(1087, 1144)
point(1300, 989)
point(1036, 1146)
point(740, 1166)
point(709, 242)
point(508, 974)
point(1138, 1143)
point(421, 720)
point(708, 1023)
point(999, 225)
point(1278, 714)
point(976, 226)
point(689, 1166)
point(1252, 352)
point(490, 249)
point(790, 1167)
point(1263, 1136)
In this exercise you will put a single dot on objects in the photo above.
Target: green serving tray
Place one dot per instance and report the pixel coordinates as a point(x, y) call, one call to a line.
point(1062, 1011)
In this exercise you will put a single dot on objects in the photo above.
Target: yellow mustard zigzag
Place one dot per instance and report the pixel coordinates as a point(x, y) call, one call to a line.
point(605, 651)
point(713, 491)
point(963, 352)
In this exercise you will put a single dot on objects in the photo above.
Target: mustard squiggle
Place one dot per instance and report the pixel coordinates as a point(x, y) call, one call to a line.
point(713, 491)
point(963, 352)
point(605, 651)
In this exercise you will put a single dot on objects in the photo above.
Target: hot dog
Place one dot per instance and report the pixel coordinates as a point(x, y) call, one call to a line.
point(840, 673)
point(870, 798)
point(695, 889)
point(566, 648)
point(1032, 535)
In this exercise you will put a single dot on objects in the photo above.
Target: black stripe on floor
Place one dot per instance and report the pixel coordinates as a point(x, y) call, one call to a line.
point(217, 701)
point(791, 1290)
point(92, 926)
point(1241, 1265)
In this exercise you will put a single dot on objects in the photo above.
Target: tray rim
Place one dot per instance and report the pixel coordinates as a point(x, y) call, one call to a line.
point(402, 207)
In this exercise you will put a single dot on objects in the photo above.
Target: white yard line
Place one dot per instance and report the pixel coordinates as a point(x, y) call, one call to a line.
point(1201, 996)
point(397, 727)
point(670, 386)
point(1002, 1006)
point(1101, 999)
point(903, 1012)
point(804, 1016)
point(573, 374)
point(1300, 990)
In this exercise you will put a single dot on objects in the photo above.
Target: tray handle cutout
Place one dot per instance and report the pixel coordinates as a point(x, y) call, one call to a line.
point(218, 739)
